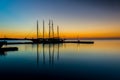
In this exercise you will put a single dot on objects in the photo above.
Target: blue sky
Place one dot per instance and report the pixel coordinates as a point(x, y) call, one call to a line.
point(21, 15)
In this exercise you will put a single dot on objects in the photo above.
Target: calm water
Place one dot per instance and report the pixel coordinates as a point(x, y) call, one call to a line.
point(99, 61)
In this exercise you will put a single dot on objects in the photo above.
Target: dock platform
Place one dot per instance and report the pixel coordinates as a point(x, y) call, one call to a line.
point(80, 42)
point(59, 42)
point(9, 49)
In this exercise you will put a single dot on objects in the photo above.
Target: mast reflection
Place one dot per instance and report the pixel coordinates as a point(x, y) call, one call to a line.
point(43, 53)
point(52, 56)
point(3, 53)
point(58, 52)
point(37, 55)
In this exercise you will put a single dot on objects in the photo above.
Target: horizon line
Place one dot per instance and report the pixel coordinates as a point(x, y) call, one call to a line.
point(68, 38)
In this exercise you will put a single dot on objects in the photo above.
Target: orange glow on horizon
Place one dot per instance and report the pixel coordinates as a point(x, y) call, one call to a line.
point(65, 35)
point(74, 30)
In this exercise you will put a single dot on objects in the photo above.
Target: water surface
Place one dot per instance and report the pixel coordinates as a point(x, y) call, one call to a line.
point(100, 61)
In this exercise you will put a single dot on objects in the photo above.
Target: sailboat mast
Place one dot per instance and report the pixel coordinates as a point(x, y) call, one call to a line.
point(49, 29)
point(58, 31)
point(52, 29)
point(43, 28)
point(37, 29)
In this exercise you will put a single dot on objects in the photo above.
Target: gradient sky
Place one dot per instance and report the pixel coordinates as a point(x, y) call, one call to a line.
point(76, 18)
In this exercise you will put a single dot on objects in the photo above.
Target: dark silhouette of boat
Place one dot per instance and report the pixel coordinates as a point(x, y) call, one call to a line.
point(2, 43)
point(48, 40)
point(51, 39)
point(36, 40)
point(8, 49)
point(5, 49)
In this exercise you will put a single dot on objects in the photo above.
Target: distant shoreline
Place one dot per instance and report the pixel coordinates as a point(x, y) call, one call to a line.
point(66, 38)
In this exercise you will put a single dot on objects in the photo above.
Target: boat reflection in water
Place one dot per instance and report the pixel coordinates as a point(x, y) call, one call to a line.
point(99, 61)
point(51, 50)
point(4, 50)
point(2, 53)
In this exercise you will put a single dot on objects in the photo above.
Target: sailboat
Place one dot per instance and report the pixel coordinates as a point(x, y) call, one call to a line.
point(50, 39)
point(38, 40)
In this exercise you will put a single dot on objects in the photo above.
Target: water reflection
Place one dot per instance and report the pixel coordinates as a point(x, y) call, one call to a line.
point(37, 55)
point(51, 53)
point(43, 54)
point(3, 53)
point(71, 61)
point(58, 53)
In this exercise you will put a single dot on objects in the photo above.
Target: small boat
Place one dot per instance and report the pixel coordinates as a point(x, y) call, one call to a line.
point(8, 49)
point(2, 43)
point(3, 50)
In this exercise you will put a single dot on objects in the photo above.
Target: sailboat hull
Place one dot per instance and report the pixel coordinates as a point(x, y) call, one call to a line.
point(36, 40)
point(47, 41)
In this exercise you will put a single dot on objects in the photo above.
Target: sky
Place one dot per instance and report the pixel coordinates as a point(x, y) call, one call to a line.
point(76, 18)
